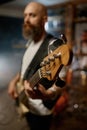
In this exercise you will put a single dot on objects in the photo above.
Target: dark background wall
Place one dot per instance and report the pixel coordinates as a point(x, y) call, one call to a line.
point(12, 46)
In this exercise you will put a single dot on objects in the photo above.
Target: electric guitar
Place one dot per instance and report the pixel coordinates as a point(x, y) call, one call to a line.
point(51, 65)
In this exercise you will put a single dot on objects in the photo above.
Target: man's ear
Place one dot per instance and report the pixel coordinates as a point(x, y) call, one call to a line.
point(45, 18)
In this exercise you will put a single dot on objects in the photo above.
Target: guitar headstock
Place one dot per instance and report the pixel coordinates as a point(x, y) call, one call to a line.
point(53, 63)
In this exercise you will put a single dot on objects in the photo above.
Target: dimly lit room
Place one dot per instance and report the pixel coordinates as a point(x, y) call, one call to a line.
point(51, 81)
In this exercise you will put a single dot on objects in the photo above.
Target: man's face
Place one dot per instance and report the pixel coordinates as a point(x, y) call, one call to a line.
point(33, 21)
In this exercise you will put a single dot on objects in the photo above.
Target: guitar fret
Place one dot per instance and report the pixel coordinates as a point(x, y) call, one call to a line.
point(35, 79)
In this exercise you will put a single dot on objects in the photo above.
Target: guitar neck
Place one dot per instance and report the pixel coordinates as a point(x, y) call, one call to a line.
point(35, 78)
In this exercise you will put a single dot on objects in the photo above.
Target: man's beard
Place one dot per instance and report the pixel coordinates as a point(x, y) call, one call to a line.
point(31, 31)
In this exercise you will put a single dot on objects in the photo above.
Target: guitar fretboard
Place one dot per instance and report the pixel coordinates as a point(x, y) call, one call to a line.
point(35, 78)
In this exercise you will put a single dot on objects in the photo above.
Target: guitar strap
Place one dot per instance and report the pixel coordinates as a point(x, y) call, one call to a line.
point(41, 53)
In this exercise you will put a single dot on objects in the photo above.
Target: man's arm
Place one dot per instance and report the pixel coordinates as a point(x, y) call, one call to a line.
point(12, 86)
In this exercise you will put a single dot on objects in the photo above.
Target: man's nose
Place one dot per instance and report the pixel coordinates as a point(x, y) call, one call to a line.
point(26, 19)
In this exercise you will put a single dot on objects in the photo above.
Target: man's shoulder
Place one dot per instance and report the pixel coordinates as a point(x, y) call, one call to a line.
point(54, 42)
point(55, 39)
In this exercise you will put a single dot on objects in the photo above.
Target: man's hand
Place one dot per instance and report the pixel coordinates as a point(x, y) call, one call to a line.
point(40, 92)
point(12, 90)
point(12, 87)
point(34, 93)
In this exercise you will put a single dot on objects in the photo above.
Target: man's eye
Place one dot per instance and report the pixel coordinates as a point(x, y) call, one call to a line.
point(32, 15)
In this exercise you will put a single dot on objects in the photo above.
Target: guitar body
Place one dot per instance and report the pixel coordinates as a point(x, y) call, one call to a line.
point(22, 100)
point(50, 68)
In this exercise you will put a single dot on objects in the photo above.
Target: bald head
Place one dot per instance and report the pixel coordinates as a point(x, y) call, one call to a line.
point(40, 8)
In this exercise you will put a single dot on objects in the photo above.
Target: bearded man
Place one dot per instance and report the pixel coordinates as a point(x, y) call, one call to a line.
point(41, 98)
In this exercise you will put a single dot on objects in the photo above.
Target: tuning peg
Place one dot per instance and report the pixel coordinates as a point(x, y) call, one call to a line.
point(47, 62)
point(57, 55)
point(48, 72)
point(42, 64)
point(51, 58)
